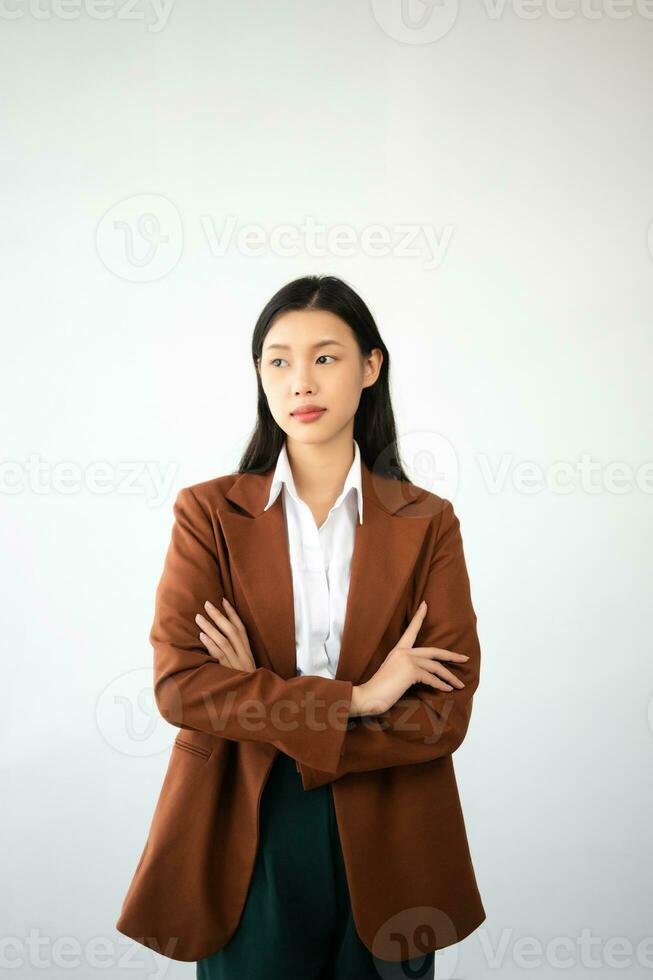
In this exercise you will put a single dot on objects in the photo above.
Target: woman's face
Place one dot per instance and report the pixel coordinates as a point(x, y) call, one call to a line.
point(312, 357)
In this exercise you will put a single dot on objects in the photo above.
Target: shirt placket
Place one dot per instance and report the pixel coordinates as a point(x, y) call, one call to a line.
point(316, 587)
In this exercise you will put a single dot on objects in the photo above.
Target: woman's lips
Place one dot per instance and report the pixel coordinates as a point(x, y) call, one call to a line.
point(308, 416)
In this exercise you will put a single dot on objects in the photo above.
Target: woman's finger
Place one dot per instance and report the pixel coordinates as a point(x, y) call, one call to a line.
point(434, 667)
point(231, 614)
point(409, 635)
point(440, 654)
point(220, 646)
point(233, 628)
point(427, 678)
point(214, 649)
point(229, 630)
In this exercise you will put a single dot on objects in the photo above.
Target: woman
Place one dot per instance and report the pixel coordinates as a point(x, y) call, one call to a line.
point(315, 642)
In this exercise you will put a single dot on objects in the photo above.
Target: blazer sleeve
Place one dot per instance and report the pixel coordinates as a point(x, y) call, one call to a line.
point(426, 723)
point(305, 717)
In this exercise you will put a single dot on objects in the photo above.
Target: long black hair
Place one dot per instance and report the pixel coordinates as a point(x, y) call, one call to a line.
point(374, 424)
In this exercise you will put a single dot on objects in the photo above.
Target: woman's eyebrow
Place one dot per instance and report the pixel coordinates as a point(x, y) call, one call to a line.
point(320, 343)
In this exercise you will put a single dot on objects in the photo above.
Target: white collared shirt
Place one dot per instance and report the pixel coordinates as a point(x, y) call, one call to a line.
point(320, 560)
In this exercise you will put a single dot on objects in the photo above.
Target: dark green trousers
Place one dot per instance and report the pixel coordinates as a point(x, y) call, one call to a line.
point(297, 922)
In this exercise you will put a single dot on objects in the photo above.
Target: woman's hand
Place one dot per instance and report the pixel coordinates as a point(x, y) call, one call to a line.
point(403, 667)
point(227, 640)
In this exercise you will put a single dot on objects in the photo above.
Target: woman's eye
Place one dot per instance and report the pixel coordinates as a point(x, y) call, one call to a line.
point(274, 360)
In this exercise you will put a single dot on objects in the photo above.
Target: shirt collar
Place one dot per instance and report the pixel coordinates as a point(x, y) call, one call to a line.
point(283, 476)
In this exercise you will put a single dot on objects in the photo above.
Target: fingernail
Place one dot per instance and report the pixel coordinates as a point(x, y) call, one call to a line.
point(224, 599)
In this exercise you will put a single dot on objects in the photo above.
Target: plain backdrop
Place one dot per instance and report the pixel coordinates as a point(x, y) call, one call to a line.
point(481, 174)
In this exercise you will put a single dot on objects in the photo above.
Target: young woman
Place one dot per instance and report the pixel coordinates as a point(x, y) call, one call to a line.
point(315, 643)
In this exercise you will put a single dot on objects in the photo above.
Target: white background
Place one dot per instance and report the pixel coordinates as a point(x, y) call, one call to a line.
point(520, 137)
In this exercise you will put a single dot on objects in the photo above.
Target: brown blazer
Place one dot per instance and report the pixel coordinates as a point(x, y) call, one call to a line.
point(400, 821)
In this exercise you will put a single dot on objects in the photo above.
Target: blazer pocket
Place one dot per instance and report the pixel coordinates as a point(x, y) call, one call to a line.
point(200, 751)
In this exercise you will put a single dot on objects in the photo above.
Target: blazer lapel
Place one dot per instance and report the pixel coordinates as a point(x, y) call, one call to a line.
point(386, 548)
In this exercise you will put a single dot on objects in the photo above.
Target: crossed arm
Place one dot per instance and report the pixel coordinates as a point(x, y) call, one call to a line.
point(307, 717)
